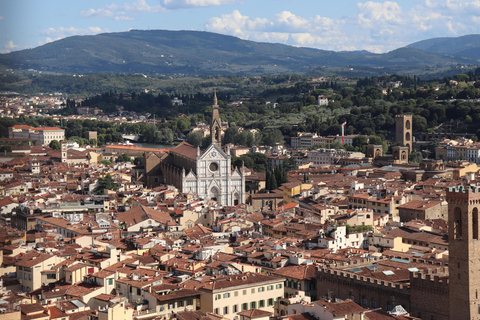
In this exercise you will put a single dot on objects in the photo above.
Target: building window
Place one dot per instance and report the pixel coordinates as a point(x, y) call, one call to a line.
point(215, 311)
point(261, 289)
point(235, 308)
point(235, 294)
point(270, 288)
point(261, 303)
point(244, 292)
point(225, 310)
point(278, 286)
point(253, 305)
point(226, 295)
point(218, 296)
point(110, 281)
point(253, 290)
point(457, 223)
point(270, 302)
point(180, 304)
point(245, 307)
point(373, 303)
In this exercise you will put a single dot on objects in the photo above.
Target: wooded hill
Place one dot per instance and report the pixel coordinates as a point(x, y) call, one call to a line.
point(153, 52)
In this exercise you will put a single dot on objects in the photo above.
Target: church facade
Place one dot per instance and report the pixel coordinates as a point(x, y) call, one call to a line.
point(206, 173)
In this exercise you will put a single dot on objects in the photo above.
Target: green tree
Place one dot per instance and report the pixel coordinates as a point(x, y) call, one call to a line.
point(124, 158)
point(195, 138)
point(106, 182)
point(55, 145)
point(106, 162)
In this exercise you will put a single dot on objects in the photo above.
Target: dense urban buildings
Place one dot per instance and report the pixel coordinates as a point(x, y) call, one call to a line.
point(120, 231)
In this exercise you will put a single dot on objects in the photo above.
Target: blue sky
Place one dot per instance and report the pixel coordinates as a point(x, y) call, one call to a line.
point(377, 26)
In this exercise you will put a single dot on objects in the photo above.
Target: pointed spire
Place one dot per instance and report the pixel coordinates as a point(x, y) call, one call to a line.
point(215, 100)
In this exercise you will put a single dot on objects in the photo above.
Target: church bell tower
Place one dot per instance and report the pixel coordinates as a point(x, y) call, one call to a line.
point(216, 126)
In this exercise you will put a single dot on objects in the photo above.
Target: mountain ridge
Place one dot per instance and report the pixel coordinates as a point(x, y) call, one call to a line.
point(203, 53)
point(468, 45)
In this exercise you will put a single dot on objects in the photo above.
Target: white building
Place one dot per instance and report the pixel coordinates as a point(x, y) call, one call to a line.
point(42, 135)
point(322, 101)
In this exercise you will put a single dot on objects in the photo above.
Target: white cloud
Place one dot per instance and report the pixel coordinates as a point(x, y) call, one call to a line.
point(1, 18)
point(377, 26)
point(141, 6)
point(63, 32)
point(10, 45)
point(123, 18)
point(178, 4)
point(122, 13)
point(237, 24)
point(99, 13)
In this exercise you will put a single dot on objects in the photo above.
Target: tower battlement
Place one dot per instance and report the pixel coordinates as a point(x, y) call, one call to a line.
point(463, 189)
point(349, 276)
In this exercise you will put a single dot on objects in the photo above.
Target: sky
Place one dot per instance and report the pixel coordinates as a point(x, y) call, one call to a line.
point(376, 26)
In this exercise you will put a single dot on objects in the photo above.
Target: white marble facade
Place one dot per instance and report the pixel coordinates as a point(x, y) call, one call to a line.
point(215, 179)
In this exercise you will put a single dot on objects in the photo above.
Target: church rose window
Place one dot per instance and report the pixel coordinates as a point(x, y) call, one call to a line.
point(213, 166)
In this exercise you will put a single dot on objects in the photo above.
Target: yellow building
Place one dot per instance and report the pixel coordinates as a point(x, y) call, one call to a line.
point(292, 189)
point(230, 295)
point(30, 266)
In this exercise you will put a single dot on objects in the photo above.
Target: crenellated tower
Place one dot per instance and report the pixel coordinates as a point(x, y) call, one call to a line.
point(464, 252)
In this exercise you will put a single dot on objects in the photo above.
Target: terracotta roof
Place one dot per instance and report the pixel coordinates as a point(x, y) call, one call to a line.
point(176, 294)
point(32, 258)
point(341, 308)
point(185, 149)
point(301, 272)
point(255, 313)
point(141, 213)
point(420, 204)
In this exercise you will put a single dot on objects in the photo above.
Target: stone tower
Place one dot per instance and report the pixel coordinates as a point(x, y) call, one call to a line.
point(64, 150)
point(464, 251)
point(403, 130)
point(374, 151)
point(216, 126)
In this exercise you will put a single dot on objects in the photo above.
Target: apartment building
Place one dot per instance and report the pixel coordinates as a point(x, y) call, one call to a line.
point(232, 294)
point(30, 266)
point(42, 135)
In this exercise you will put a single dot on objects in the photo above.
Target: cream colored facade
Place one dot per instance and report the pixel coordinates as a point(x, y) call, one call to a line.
point(378, 240)
point(43, 135)
point(118, 311)
point(231, 300)
point(30, 278)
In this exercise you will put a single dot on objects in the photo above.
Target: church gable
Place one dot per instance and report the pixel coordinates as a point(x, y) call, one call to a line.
point(236, 174)
point(214, 184)
point(213, 152)
point(191, 175)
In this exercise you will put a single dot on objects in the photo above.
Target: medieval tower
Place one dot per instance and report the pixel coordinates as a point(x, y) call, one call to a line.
point(464, 251)
point(63, 149)
point(403, 130)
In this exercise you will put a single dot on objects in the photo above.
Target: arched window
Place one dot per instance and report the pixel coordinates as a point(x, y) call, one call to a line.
point(407, 124)
point(373, 304)
point(475, 223)
point(364, 301)
point(407, 136)
point(457, 218)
